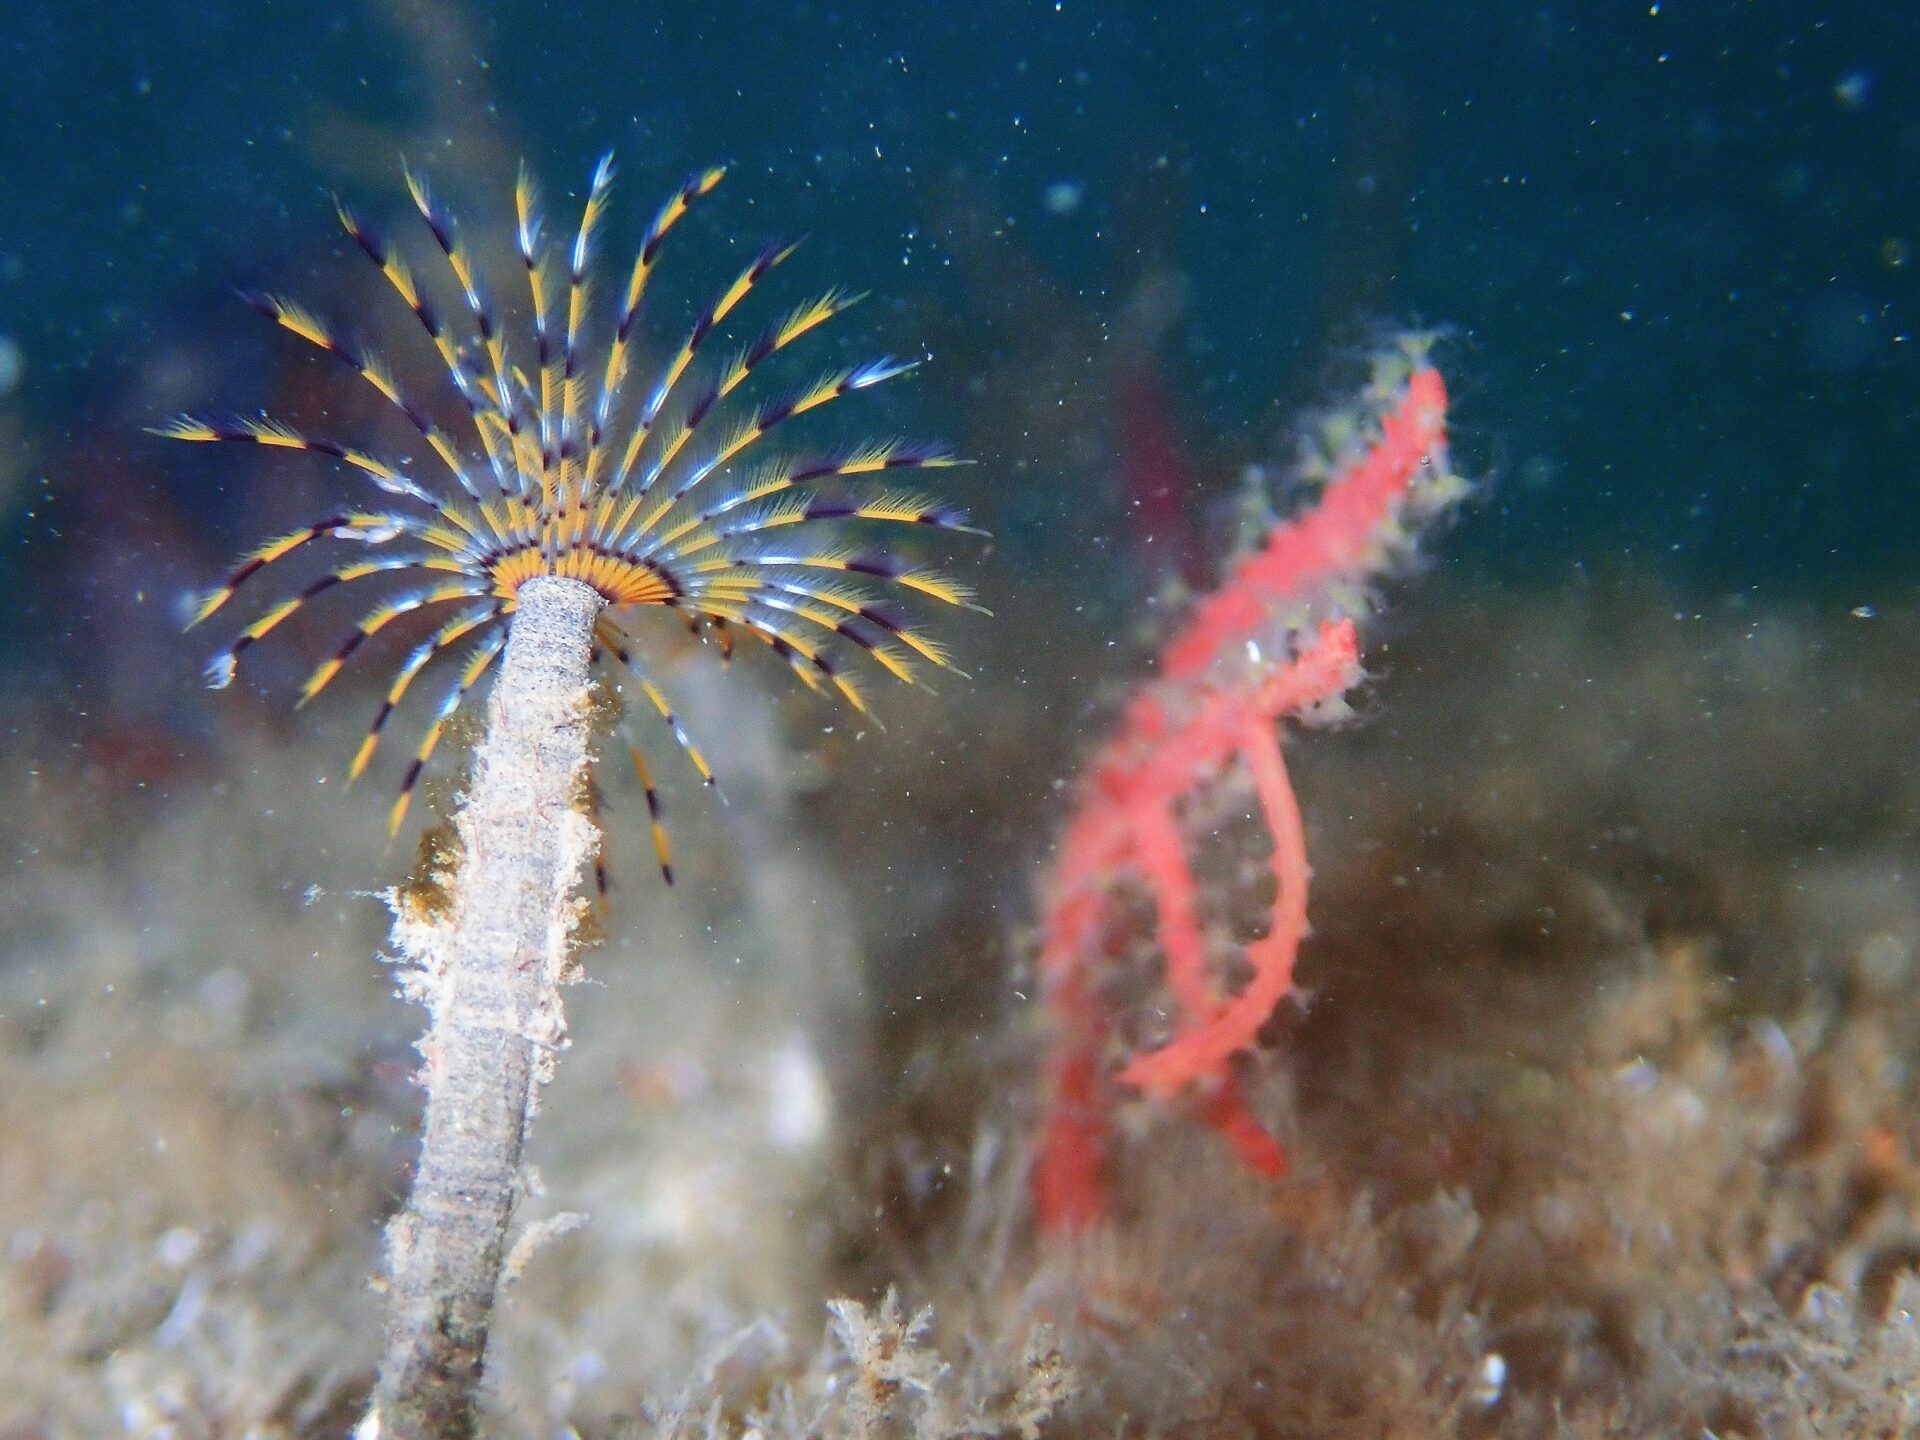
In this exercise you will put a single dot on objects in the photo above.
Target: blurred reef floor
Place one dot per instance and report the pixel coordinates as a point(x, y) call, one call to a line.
point(1600, 1111)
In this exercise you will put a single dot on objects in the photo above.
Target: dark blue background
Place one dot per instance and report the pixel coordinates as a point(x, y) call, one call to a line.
point(1679, 242)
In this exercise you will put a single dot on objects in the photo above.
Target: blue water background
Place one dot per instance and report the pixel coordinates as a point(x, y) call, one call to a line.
point(1678, 243)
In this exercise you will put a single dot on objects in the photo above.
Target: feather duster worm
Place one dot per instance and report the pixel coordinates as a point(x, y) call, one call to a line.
point(572, 501)
point(657, 495)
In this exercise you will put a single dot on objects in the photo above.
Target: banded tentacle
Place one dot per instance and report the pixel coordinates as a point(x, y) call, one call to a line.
point(877, 563)
point(620, 348)
point(482, 409)
point(484, 406)
point(781, 476)
point(368, 526)
point(859, 603)
point(572, 357)
point(744, 362)
point(448, 635)
point(483, 656)
point(381, 616)
point(296, 318)
point(703, 329)
point(527, 231)
point(620, 645)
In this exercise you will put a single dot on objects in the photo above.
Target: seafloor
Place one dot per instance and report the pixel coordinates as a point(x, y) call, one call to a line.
point(1600, 1111)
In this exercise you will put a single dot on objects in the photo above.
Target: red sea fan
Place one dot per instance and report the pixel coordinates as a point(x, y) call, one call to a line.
point(1277, 639)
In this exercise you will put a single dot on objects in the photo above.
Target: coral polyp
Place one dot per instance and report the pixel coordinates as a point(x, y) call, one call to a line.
point(662, 495)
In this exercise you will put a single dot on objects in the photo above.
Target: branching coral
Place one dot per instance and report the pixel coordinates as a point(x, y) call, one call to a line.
point(1276, 640)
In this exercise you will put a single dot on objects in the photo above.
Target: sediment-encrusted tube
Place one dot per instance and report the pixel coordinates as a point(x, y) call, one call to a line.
point(488, 967)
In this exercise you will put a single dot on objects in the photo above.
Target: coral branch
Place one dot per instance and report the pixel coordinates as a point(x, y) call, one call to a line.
point(1213, 1031)
point(1348, 535)
point(1277, 639)
point(489, 970)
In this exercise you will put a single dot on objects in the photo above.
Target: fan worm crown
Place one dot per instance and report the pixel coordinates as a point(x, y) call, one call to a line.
point(658, 489)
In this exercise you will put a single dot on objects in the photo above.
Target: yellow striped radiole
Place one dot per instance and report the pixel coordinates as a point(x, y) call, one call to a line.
point(662, 494)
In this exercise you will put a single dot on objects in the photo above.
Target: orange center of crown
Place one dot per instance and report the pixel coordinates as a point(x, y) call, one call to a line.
point(620, 581)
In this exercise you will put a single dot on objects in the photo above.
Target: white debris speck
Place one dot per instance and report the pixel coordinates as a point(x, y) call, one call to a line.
point(1491, 1381)
point(799, 1104)
point(177, 1247)
point(1063, 197)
